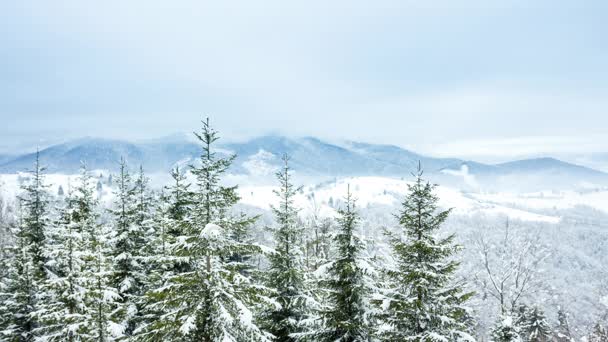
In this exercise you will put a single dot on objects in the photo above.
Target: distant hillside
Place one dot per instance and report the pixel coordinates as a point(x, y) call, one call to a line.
point(310, 157)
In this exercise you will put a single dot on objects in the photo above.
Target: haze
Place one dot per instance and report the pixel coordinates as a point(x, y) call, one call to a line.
point(478, 79)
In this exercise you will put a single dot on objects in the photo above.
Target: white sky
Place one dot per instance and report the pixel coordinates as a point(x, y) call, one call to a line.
point(482, 79)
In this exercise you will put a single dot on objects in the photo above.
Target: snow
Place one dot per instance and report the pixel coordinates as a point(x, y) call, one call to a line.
point(384, 191)
point(376, 191)
point(211, 230)
point(115, 329)
point(260, 164)
point(188, 325)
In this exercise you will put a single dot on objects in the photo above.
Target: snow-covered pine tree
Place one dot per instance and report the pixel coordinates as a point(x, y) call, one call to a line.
point(143, 200)
point(505, 330)
point(598, 334)
point(178, 206)
point(28, 267)
point(180, 197)
point(128, 273)
point(285, 274)
point(211, 300)
point(62, 314)
point(169, 221)
point(562, 331)
point(100, 297)
point(536, 328)
point(34, 204)
point(17, 299)
point(346, 317)
point(421, 302)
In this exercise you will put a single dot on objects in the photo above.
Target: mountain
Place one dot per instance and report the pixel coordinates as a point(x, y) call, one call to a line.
point(4, 158)
point(310, 157)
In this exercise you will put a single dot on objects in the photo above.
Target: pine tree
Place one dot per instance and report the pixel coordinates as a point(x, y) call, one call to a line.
point(537, 329)
point(346, 319)
point(506, 331)
point(178, 206)
point(18, 300)
point(34, 202)
point(421, 303)
point(522, 315)
point(285, 274)
point(128, 274)
point(599, 334)
point(212, 300)
point(169, 221)
point(100, 297)
point(62, 314)
point(562, 331)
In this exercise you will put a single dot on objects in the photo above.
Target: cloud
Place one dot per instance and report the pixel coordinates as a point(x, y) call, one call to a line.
point(421, 75)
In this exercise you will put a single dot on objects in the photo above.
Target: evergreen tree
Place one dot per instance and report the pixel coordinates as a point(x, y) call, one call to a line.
point(562, 332)
point(522, 315)
point(62, 315)
point(212, 300)
point(346, 318)
point(180, 197)
point(169, 221)
point(421, 303)
point(537, 329)
point(179, 203)
point(599, 334)
point(34, 202)
point(506, 331)
point(128, 274)
point(285, 274)
point(100, 297)
point(18, 300)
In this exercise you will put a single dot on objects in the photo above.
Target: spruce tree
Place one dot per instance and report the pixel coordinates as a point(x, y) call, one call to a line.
point(178, 204)
point(599, 333)
point(211, 300)
point(18, 296)
point(562, 331)
point(346, 318)
point(169, 221)
point(505, 330)
point(537, 329)
point(421, 302)
point(100, 297)
point(285, 275)
point(128, 274)
point(63, 314)
point(34, 202)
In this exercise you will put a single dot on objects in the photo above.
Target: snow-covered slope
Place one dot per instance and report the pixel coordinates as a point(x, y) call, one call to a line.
point(383, 191)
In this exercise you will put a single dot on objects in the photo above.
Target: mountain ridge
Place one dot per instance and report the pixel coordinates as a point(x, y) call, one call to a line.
point(310, 156)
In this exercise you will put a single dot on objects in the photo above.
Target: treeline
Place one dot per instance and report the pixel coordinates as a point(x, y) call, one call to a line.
point(182, 265)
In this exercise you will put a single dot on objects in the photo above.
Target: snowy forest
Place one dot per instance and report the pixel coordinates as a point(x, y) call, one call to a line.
point(186, 263)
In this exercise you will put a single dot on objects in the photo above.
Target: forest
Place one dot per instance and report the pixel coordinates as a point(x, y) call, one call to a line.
point(183, 263)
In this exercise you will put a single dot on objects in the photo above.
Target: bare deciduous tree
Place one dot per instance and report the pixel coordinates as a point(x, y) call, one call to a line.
point(511, 267)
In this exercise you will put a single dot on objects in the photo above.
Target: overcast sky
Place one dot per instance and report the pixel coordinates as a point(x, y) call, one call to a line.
point(478, 78)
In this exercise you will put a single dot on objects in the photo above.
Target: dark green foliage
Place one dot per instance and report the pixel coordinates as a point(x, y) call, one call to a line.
point(208, 298)
point(285, 275)
point(18, 302)
point(34, 204)
point(422, 302)
point(345, 319)
point(128, 244)
point(506, 330)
